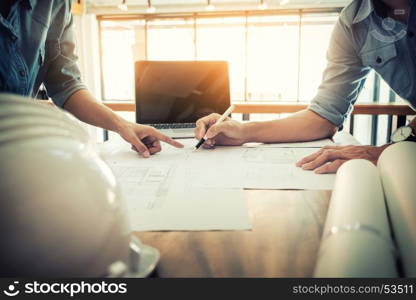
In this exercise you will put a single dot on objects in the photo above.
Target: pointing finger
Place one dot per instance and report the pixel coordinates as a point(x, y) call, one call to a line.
point(140, 147)
point(167, 139)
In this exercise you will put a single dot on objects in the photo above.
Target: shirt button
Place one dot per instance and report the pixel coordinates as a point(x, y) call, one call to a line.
point(22, 73)
point(379, 60)
point(410, 34)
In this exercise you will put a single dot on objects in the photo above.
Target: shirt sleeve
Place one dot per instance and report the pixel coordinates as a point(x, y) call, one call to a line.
point(63, 77)
point(343, 78)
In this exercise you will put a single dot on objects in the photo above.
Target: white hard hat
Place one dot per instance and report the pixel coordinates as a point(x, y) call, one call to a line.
point(61, 211)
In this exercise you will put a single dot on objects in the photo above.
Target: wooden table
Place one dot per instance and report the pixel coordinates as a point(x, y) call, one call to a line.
point(284, 241)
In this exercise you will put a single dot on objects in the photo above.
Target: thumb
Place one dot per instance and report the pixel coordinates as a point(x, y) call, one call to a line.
point(140, 147)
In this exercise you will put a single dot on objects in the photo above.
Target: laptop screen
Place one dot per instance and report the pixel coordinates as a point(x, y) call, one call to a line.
point(180, 91)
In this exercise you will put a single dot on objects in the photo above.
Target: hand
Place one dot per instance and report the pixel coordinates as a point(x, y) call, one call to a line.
point(228, 132)
point(144, 139)
point(330, 158)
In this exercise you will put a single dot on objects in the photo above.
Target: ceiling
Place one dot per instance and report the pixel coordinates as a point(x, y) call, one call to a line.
point(178, 6)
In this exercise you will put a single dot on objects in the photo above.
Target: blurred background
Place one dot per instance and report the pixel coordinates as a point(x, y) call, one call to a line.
point(276, 49)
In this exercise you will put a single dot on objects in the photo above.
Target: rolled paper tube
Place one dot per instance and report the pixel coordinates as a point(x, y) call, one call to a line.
point(397, 167)
point(356, 241)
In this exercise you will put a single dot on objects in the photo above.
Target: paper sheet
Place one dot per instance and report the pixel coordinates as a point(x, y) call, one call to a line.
point(184, 189)
point(189, 209)
point(158, 199)
point(234, 167)
point(255, 168)
point(311, 144)
point(160, 194)
point(285, 176)
point(276, 169)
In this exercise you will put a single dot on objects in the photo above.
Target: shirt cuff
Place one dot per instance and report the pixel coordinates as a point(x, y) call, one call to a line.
point(61, 97)
point(329, 112)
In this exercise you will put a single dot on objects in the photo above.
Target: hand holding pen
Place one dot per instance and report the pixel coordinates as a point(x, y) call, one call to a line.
point(218, 129)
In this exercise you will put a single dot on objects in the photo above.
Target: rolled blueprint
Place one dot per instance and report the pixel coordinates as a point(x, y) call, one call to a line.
point(356, 241)
point(397, 167)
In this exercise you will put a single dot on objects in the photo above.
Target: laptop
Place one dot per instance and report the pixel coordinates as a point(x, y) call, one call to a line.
point(173, 95)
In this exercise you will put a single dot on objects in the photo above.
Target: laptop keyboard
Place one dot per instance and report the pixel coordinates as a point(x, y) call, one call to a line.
point(174, 125)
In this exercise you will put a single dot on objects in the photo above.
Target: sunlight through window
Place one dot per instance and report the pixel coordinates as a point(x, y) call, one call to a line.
point(271, 57)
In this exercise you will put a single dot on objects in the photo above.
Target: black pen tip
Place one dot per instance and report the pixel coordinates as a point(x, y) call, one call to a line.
point(201, 141)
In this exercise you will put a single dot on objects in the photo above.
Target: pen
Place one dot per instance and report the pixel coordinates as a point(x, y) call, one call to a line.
point(222, 118)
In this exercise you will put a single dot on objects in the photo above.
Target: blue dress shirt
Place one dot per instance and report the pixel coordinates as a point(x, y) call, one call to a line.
point(362, 41)
point(37, 46)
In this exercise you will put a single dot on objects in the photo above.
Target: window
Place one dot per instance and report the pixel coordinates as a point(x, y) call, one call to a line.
point(170, 39)
point(119, 41)
point(314, 27)
point(268, 55)
point(275, 57)
point(272, 58)
point(224, 39)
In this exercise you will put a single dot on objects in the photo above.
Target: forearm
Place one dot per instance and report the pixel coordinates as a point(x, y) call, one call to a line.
point(86, 108)
point(302, 126)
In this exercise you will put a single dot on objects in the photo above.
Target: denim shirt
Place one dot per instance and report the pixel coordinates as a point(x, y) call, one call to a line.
point(37, 46)
point(362, 41)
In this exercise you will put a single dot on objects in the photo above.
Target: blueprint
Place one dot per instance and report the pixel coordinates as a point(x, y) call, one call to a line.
point(188, 189)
